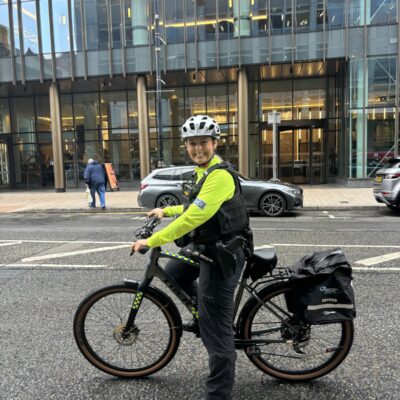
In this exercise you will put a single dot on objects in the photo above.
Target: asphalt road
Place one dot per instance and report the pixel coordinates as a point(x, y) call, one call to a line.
point(48, 263)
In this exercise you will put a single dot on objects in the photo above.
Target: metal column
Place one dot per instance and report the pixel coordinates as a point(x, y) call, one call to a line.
point(56, 136)
point(144, 148)
point(243, 122)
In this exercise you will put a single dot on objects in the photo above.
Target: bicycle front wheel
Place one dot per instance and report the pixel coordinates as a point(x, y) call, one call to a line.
point(289, 349)
point(152, 343)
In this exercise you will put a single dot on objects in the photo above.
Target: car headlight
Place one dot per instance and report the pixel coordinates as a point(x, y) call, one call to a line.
point(294, 192)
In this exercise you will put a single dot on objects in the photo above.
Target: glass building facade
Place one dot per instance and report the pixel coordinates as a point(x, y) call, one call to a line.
point(77, 80)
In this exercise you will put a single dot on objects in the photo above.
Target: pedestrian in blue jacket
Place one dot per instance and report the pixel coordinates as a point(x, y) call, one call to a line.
point(95, 178)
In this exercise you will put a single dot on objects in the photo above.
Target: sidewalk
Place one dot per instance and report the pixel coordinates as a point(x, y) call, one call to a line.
point(323, 197)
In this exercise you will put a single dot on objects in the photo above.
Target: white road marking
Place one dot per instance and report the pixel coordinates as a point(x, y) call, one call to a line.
point(9, 243)
point(85, 266)
point(366, 246)
point(72, 253)
point(325, 212)
point(65, 241)
point(376, 269)
point(331, 216)
point(379, 259)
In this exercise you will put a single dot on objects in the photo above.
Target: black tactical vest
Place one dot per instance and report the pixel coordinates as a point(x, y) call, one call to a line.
point(229, 220)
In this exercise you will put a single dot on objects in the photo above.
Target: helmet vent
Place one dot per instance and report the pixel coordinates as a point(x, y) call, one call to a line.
point(184, 129)
point(192, 126)
point(211, 127)
point(202, 124)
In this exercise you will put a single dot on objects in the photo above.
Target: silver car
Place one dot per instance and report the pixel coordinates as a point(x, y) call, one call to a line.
point(163, 187)
point(387, 184)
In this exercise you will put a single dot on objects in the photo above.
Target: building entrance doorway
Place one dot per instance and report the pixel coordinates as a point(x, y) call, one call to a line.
point(300, 154)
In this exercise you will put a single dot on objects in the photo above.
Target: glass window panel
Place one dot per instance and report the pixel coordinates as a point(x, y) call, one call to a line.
point(380, 137)
point(16, 30)
point(173, 110)
point(77, 40)
point(259, 17)
point(190, 21)
point(113, 110)
point(96, 24)
point(206, 20)
point(23, 114)
point(5, 122)
point(281, 16)
point(116, 24)
point(335, 13)
point(382, 81)
point(228, 144)
point(29, 24)
point(5, 40)
point(132, 110)
point(225, 20)
point(217, 103)
point(303, 22)
point(233, 106)
point(67, 119)
point(43, 120)
point(60, 26)
point(275, 96)
point(118, 153)
point(86, 110)
point(195, 101)
point(173, 16)
point(356, 14)
point(383, 11)
point(45, 26)
point(27, 171)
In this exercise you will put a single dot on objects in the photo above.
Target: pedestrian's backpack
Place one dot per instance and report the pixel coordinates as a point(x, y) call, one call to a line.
point(323, 291)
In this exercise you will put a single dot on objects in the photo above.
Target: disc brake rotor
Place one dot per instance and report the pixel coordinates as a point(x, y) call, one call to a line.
point(125, 338)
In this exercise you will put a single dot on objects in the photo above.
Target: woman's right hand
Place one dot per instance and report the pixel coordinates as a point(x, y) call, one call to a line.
point(157, 212)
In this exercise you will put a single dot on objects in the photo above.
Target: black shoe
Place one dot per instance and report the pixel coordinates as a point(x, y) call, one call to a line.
point(103, 208)
point(191, 326)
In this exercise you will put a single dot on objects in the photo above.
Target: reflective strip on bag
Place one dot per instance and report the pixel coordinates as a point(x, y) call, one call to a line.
point(330, 305)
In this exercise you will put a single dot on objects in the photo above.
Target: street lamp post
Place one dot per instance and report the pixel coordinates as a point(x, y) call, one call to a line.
point(157, 49)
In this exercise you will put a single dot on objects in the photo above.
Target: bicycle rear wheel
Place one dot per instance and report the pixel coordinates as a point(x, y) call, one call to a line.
point(296, 351)
point(152, 343)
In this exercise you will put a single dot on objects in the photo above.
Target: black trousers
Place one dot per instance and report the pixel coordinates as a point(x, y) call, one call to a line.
point(215, 296)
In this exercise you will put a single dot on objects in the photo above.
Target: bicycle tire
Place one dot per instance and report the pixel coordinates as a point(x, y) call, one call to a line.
point(329, 344)
point(97, 330)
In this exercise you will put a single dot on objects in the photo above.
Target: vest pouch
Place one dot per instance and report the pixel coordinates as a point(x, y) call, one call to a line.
point(183, 241)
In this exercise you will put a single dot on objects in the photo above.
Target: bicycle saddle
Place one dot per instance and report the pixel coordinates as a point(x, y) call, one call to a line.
point(261, 262)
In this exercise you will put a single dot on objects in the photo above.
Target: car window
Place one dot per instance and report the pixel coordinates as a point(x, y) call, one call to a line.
point(187, 175)
point(164, 175)
point(177, 176)
point(392, 164)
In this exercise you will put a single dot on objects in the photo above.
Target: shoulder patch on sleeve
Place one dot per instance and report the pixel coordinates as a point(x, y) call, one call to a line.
point(199, 203)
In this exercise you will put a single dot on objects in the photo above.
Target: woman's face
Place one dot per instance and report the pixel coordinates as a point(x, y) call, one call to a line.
point(201, 149)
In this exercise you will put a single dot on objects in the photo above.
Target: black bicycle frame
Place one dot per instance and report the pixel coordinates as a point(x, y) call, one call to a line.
point(153, 269)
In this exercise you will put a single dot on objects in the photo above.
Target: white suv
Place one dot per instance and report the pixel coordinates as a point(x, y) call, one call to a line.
point(387, 184)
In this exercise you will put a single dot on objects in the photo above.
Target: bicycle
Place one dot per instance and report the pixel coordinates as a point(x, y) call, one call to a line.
point(132, 329)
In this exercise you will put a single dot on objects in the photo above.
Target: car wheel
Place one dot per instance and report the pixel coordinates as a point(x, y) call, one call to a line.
point(166, 200)
point(393, 208)
point(273, 204)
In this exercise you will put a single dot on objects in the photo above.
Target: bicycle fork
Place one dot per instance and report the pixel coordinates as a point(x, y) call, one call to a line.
point(136, 302)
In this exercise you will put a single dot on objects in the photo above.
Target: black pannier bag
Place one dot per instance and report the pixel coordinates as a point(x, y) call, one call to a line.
point(322, 288)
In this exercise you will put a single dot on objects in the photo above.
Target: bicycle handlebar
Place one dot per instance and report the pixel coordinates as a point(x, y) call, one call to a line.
point(146, 231)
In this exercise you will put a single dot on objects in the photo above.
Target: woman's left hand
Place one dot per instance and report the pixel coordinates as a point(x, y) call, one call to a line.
point(139, 244)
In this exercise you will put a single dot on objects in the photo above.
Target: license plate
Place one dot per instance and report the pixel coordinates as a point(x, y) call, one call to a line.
point(378, 179)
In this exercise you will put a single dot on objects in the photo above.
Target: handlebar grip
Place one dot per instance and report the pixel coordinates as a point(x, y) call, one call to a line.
point(144, 250)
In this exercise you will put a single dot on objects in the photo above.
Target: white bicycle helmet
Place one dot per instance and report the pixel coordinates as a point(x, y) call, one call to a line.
point(200, 125)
